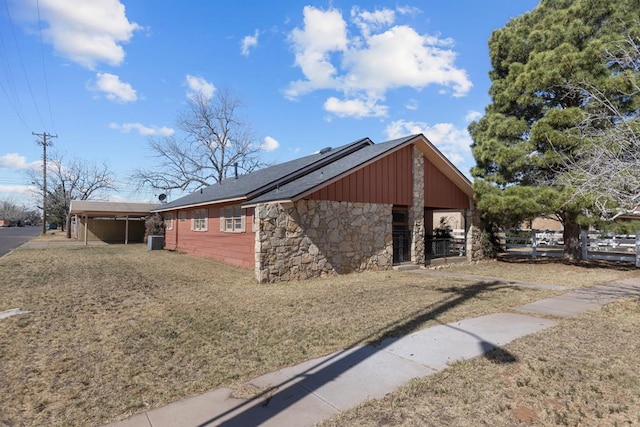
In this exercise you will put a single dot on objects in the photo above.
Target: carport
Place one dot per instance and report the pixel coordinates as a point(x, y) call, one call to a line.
point(113, 222)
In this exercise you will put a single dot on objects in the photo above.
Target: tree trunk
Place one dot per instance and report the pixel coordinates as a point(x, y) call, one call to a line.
point(571, 235)
point(68, 222)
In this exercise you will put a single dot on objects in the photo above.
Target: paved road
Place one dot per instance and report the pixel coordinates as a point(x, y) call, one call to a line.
point(12, 237)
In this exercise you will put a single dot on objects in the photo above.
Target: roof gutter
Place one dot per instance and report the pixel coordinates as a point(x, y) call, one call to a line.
point(196, 205)
point(281, 201)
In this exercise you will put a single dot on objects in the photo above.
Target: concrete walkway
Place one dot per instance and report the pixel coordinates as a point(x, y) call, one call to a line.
point(321, 388)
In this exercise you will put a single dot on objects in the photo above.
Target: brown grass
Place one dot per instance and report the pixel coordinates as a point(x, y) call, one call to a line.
point(584, 372)
point(117, 330)
point(53, 236)
point(549, 271)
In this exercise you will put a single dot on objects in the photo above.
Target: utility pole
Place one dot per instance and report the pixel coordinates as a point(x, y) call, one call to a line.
point(43, 141)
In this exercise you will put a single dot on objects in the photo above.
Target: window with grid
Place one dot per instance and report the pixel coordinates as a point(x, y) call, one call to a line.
point(232, 219)
point(168, 220)
point(199, 220)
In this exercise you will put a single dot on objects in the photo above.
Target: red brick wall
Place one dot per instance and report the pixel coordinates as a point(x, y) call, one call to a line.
point(231, 248)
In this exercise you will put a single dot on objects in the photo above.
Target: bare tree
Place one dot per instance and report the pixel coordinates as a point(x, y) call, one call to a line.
point(73, 180)
point(606, 170)
point(17, 214)
point(216, 139)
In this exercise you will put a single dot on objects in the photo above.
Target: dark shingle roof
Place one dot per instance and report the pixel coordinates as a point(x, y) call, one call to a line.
point(265, 180)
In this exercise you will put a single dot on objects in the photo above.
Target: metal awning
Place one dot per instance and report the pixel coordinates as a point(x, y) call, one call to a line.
point(95, 208)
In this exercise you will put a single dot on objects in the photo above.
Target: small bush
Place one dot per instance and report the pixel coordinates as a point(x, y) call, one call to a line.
point(153, 226)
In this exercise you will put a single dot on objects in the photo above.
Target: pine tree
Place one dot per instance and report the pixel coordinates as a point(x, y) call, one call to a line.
point(531, 126)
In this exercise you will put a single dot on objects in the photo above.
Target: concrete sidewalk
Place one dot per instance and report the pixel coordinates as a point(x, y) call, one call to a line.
point(321, 388)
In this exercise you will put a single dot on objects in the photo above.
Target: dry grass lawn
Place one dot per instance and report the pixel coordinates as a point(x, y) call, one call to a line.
point(548, 270)
point(116, 330)
point(583, 372)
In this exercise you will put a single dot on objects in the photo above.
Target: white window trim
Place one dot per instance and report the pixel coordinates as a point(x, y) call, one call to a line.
point(168, 220)
point(200, 220)
point(233, 229)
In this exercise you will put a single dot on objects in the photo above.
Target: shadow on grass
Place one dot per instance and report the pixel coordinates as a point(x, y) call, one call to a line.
point(500, 355)
point(591, 263)
point(281, 396)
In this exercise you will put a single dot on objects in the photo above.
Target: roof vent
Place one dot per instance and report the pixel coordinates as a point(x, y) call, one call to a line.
point(325, 150)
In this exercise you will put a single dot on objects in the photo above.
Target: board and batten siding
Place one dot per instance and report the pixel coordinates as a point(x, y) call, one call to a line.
point(387, 180)
point(440, 192)
point(234, 248)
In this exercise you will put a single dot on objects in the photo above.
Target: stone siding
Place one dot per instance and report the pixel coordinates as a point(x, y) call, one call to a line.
point(416, 211)
point(312, 238)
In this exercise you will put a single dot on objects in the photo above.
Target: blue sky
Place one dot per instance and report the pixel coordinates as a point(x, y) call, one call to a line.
point(105, 75)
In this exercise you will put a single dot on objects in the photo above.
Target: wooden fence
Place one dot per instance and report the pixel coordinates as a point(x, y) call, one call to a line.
point(625, 248)
point(594, 244)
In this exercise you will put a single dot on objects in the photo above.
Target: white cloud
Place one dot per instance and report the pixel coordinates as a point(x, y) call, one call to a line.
point(472, 116)
point(363, 67)
point(21, 190)
point(142, 129)
point(86, 32)
point(453, 142)
point(358, 108)
point(368, 21)
point(411, 104)
point(198, 85)
point(408, 10)
point(248, 42)
point(269, 144)
point(114, 89)
point(15, 161)
point(323, 33)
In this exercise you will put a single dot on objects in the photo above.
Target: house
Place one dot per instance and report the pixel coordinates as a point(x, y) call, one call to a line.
point(361, 206)
point(112, 222)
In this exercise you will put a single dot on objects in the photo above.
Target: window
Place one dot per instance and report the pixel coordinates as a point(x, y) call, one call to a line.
point(182, 216)
point(232, 219)
point(168, 220)
point(199, 220)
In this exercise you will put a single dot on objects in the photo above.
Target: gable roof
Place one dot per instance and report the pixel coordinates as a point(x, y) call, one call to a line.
point(296, 178)
point(330, 172)
point(263, 180)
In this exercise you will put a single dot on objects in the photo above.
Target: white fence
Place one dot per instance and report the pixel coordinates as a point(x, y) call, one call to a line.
point(535, 243)
point(594, 244)
point(625, 248)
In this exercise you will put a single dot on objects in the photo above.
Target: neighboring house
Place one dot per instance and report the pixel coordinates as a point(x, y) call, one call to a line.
point(362, 206)
point(113, 222)
point(5, 223)
point(550, 223)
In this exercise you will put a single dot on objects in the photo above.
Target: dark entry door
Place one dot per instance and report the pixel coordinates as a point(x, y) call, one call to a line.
point(401, 237)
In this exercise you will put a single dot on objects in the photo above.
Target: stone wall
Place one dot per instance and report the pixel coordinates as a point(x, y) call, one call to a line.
point(416, 211)
point(312, 238)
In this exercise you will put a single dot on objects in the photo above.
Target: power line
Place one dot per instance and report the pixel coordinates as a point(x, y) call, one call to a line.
point(12, 97)
point(24, 70)
point(44, 69)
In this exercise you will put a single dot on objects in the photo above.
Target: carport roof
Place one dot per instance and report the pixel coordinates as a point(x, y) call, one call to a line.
point(95, 208)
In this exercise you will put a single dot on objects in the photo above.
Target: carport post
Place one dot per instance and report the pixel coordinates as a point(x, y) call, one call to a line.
point(126, 230)
point(86, 227)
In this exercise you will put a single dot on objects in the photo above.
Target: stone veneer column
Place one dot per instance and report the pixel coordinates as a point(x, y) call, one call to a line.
point(474, 235)
point(312, 238)
point(416, 210)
